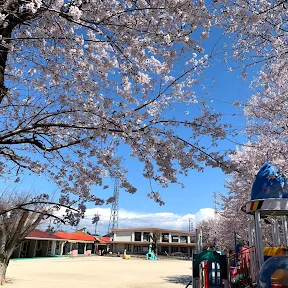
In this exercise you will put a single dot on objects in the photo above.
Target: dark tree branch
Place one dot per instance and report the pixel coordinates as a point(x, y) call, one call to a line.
point(22, 206)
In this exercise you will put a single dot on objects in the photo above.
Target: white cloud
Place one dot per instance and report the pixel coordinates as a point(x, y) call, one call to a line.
point(130, 219)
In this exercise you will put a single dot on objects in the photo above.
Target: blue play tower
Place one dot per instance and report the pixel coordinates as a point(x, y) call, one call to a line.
point(269, 197)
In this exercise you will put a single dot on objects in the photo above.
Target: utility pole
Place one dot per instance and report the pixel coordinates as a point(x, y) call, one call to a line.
point(215, 202)
point(95, 221)
point(191, 225)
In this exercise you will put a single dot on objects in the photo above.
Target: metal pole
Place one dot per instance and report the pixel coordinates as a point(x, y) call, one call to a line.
point(201, 241)
point(193, 280)
point(227, 282)
point(251, 244)
point(259, 243)
point(284, 224)
point(277, 236)
point(273, 235)
point(197, 241)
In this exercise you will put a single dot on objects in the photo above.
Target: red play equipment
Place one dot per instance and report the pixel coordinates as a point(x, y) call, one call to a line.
point(240, 270)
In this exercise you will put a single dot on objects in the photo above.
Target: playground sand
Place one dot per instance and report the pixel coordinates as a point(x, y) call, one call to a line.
point(95, 271)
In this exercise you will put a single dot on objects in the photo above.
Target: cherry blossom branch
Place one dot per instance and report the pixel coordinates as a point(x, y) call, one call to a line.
point(166, 88)
point(220, 164)
point(22, 206)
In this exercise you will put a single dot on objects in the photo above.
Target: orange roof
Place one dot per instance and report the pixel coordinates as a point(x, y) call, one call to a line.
point(74, 236)
point(41, 235)
point(105, 239)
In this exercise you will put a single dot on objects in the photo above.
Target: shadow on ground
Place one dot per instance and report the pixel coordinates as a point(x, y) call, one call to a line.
point(178, 279)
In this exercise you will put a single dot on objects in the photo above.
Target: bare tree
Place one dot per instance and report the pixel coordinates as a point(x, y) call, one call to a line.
point(155, 236)
point(21, 213)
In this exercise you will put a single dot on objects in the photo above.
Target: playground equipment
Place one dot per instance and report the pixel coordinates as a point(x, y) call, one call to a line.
point(209, 268)
point(125, 256)
point(239, 273)
point(275, 269)
point(269, 197)
point(273, 251)
point(268, 267)
point(150, 255)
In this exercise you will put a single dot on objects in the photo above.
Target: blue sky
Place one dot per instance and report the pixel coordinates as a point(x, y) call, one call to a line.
point(199, 187)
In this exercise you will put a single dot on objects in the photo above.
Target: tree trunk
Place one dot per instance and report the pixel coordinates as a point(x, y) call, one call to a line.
point(154, 247)
point(4, 261)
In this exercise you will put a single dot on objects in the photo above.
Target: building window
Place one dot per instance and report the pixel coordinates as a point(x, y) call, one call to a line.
point(81, 248)
point(127, 247)
point(165, 237)
point(175, 238)
point(184, 250)
point(137, 249)
point(174, 249)
point(146, 236)
point(74, 246)
point(137, 236)
point(164, 250)
point(183, 239)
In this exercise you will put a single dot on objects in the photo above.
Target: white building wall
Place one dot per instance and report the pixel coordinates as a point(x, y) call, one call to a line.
point(127, 236)
point(123, 236)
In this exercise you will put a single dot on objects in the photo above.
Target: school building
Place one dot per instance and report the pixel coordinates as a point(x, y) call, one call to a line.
point(137, 240)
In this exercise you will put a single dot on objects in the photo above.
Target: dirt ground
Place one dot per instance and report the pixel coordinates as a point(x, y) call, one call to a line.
point(95, 271)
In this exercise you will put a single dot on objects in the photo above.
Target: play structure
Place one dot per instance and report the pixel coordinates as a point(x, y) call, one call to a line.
point(239, 268)
point(125, 256)
point(151, 255)
point(209, 268)
point(269, 197)
point(251, 265)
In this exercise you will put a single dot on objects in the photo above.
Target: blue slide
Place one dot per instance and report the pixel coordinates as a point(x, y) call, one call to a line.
point(269, 267)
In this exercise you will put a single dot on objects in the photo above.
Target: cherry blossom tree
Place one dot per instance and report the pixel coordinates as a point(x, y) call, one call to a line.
point(246, 162)
point(79, 79)
point(259, 33)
